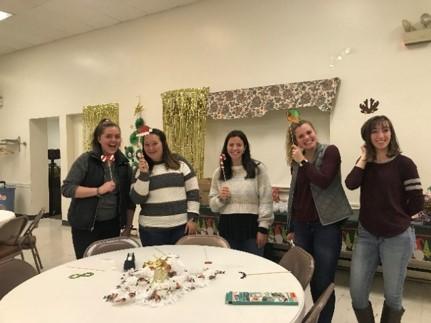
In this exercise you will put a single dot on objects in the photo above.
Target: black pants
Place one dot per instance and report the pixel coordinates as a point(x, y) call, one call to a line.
point(102, 230)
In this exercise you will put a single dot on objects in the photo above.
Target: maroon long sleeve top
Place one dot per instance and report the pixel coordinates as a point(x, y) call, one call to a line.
point(391, 193)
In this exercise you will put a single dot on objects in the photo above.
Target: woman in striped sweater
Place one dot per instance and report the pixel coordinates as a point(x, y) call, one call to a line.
point(167, 189)
point(241, 193)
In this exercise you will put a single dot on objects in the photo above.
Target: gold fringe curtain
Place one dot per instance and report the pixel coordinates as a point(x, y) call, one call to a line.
point(92, 114)
point(184, 122)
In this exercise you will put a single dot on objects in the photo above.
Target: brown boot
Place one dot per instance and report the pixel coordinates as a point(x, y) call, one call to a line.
point(365, 315)
point(390, 315)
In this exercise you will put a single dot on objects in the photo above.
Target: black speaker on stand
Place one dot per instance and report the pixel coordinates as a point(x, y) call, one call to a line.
point(54, 185)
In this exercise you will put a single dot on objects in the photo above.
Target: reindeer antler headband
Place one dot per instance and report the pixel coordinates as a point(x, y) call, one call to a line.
point(369, 107)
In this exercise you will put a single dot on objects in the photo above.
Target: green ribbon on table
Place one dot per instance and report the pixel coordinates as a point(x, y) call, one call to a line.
point(87, 274)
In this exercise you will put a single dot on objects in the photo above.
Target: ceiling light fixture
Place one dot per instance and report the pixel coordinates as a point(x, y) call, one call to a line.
point(4, 15)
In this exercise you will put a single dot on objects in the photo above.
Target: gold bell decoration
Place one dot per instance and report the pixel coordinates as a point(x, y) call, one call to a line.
point(161, 269)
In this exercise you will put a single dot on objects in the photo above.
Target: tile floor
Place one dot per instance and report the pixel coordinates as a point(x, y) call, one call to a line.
point(55, 247)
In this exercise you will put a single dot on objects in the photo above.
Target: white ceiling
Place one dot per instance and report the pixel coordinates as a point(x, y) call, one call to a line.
point(37, 22)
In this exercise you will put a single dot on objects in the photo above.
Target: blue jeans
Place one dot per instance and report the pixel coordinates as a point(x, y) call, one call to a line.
point(248, 245)
point(160, 236)
point(393, 253)
point(323, 242)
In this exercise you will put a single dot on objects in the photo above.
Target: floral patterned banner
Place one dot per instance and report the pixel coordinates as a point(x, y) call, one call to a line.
point(256, 101)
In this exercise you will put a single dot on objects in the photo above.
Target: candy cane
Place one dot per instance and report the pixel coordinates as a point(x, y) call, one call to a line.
point(109, 159)
point(222, 158)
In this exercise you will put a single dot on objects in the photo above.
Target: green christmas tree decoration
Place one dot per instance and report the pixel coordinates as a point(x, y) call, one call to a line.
point(133, 150)
point(129, 151)
point(139, 123)
point(134, 140)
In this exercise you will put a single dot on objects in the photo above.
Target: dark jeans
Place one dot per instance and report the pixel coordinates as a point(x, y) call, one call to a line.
point(324, 244)
point(160, 236)
point(102, 230)
point(246, 245)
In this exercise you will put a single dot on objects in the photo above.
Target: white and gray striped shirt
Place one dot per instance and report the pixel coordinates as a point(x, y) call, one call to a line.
point(168, 197)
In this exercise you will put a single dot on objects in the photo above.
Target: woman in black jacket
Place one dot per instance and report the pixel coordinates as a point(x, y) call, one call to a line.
point(99, 184)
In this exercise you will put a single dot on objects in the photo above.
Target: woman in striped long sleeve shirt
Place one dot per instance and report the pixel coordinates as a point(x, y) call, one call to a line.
point(167, 189)
point(391, 194)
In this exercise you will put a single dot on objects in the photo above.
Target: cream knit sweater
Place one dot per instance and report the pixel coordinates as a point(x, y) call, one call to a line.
point(251, 195)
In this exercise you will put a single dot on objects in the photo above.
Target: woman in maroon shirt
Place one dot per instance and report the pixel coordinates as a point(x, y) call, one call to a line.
point(391, 194)
point(317, 205)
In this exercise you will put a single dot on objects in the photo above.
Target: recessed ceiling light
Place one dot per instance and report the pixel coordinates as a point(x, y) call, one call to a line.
point(4, 15)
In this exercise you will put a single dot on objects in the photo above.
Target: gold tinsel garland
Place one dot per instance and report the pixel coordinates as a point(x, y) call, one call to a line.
point(184, 122)
point(92, 114)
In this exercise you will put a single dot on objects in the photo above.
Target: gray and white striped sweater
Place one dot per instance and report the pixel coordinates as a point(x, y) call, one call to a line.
point(168, 197)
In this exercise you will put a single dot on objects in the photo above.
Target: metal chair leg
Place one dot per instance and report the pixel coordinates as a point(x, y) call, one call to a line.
point(38, 257)
point(35, 259)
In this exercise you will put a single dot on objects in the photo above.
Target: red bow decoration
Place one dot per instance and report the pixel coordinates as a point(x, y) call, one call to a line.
point(106, 158)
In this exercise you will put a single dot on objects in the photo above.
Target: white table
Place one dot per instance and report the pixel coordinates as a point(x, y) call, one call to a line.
point(53, 297)
point(6, 216)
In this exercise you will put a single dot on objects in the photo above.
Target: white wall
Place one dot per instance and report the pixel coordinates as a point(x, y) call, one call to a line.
point(53, 129)
point(228, 44)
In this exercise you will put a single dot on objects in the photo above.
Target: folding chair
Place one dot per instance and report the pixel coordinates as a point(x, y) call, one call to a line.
point(300, 263)
point(204, 240)
point(313, 314)
point(10, 232)
point(28, 240)
point(111, 244)
point(12, 273)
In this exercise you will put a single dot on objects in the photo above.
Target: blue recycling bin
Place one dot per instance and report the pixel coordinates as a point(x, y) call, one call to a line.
point(7, 197)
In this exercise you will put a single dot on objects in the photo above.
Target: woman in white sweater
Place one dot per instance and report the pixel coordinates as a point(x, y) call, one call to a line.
point(241, 193)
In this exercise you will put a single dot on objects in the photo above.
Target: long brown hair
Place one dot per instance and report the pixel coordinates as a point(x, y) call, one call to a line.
point(247, 162)
point(366, 130)
point(168, 158)
point(291, 137)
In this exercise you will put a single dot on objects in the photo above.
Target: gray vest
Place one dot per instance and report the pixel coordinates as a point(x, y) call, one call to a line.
point(331, 203)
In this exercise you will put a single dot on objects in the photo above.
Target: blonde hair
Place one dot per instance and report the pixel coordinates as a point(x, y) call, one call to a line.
point(291, 139)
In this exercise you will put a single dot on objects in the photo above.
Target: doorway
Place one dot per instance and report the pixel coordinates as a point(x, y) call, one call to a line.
point(45, 175)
